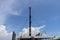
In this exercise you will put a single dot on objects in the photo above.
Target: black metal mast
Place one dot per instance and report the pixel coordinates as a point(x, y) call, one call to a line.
point(29, 21)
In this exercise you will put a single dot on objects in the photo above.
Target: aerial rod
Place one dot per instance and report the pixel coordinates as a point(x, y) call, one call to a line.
point(30, 21)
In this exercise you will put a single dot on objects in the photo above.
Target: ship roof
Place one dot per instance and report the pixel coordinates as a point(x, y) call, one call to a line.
point(45, 37)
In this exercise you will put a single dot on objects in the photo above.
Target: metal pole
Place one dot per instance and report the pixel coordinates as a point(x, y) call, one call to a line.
point(29, 21)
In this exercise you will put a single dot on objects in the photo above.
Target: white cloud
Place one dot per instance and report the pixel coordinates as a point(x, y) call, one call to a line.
point(5, 8)
point(35, 30)
point(10, 7)
point(13, 7)
point(4, 35)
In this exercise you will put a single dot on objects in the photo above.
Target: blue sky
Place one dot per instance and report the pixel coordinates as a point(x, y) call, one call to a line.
point(44, 12)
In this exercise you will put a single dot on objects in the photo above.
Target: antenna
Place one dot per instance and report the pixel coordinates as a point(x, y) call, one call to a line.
point(29, 21)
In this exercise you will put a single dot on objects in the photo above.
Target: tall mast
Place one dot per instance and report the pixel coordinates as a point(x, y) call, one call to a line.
point(29, 21)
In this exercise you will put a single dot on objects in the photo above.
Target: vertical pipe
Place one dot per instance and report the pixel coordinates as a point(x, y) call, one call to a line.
point(29, 21)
